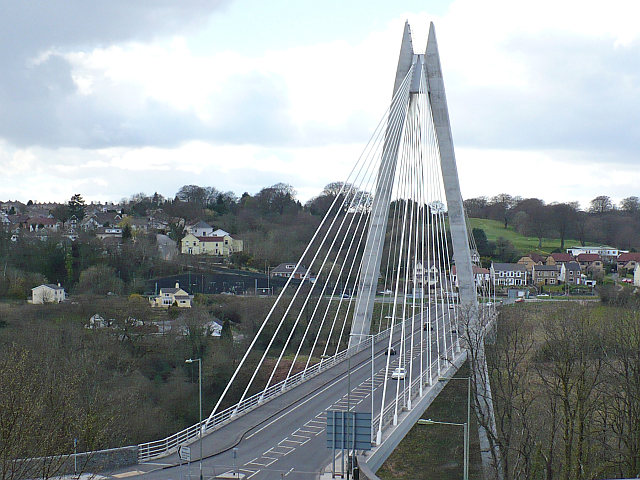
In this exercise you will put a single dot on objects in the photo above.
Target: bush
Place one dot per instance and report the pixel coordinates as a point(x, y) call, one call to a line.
point(99, 280)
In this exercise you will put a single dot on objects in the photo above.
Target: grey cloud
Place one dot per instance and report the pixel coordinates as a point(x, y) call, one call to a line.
point(42, 107)
point(38, 24)
point(40, 104)
point(584, 97)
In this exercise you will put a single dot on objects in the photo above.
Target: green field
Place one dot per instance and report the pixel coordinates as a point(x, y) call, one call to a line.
point(495, 229)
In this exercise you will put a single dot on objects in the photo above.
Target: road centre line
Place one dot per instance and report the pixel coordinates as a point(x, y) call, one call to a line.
point(332, 384)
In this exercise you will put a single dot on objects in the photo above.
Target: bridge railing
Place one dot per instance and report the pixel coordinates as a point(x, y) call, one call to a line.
point(166, 446)
point(388, 412)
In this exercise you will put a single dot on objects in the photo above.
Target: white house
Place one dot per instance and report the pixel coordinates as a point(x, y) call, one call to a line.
point(98, 321)
point(430, 275)
point(481, 275)
point(201, 229)
point(608, 254)
point(211, 328)
point(636, 275)
point(48, 293)
point(508, 274)
point(214, 328)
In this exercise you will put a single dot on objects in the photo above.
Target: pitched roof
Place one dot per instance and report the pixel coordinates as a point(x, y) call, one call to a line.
point(545, 268)
point(588, 257)
point(41, 221)
point(506, 267)
point(201, 224)
point(52, 285)
point(629, 257)
point(562, 257)
point(282, 268)
point(211, 239)
point(536, 257)
point(476, 270)
point(572, 266)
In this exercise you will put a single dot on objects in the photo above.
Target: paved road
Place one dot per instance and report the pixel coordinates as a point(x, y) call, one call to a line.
point(286, 437)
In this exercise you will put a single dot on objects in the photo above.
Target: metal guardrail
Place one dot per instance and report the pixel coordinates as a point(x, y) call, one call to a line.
point(388, 412)
point(166, 446)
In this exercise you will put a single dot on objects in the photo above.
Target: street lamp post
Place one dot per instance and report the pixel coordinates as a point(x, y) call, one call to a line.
point(191, 360)
point(466, 434)
point(465, 472)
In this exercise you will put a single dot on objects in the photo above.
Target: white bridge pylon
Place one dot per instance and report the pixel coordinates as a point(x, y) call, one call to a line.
point(378, 270)
point(381, 259)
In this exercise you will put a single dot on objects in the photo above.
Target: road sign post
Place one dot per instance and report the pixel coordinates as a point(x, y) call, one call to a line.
point(348, 431)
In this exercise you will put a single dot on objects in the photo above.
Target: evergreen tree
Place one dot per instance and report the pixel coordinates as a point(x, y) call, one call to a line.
point(76, 206)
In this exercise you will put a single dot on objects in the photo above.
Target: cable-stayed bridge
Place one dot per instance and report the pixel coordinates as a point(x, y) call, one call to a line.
point(377, 318)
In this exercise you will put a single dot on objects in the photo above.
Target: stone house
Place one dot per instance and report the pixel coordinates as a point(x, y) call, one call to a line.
point(570, 273)
point(545, 275)
point(532, 259)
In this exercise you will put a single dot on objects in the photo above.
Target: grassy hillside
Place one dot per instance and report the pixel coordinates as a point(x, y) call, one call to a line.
point(495, 229)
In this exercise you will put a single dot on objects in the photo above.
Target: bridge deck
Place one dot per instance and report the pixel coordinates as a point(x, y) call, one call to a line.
point(287, 434)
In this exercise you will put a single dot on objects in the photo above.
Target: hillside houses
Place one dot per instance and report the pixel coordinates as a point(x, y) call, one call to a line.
point(628, 261)
point(47, 293)
point(508, 274)
point(171, 296)
point(203, 239)
point(286, 270)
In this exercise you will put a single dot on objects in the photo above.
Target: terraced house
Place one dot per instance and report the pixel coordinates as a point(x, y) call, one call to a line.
point(508, 274)
point(545, 274)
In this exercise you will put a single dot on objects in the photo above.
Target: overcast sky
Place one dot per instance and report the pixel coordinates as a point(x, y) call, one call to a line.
point(110, 98)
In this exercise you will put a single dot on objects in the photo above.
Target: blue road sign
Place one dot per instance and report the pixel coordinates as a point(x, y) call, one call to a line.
point(348, 430)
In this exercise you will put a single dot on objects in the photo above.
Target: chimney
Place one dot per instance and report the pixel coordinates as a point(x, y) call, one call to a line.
point(177, 285)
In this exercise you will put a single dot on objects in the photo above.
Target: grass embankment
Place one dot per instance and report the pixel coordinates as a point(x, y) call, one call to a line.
point(436, 451)
point(495, 229)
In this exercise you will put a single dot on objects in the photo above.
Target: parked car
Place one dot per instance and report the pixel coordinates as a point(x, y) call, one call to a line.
point(425, 327)
point(399, 373)
point(519, 300)
point(391, 351)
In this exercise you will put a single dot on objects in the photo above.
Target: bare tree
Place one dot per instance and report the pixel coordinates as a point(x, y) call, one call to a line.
point(570, 367)
point(476, 324)
point(630, 204)
point(563, 216)
point(601, 204)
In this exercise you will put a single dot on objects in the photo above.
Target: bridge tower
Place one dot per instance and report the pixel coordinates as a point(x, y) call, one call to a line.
point(427, 65)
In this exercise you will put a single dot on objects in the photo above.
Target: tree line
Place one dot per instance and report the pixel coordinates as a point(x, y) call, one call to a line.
point(566, 389)
point(603, 222)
